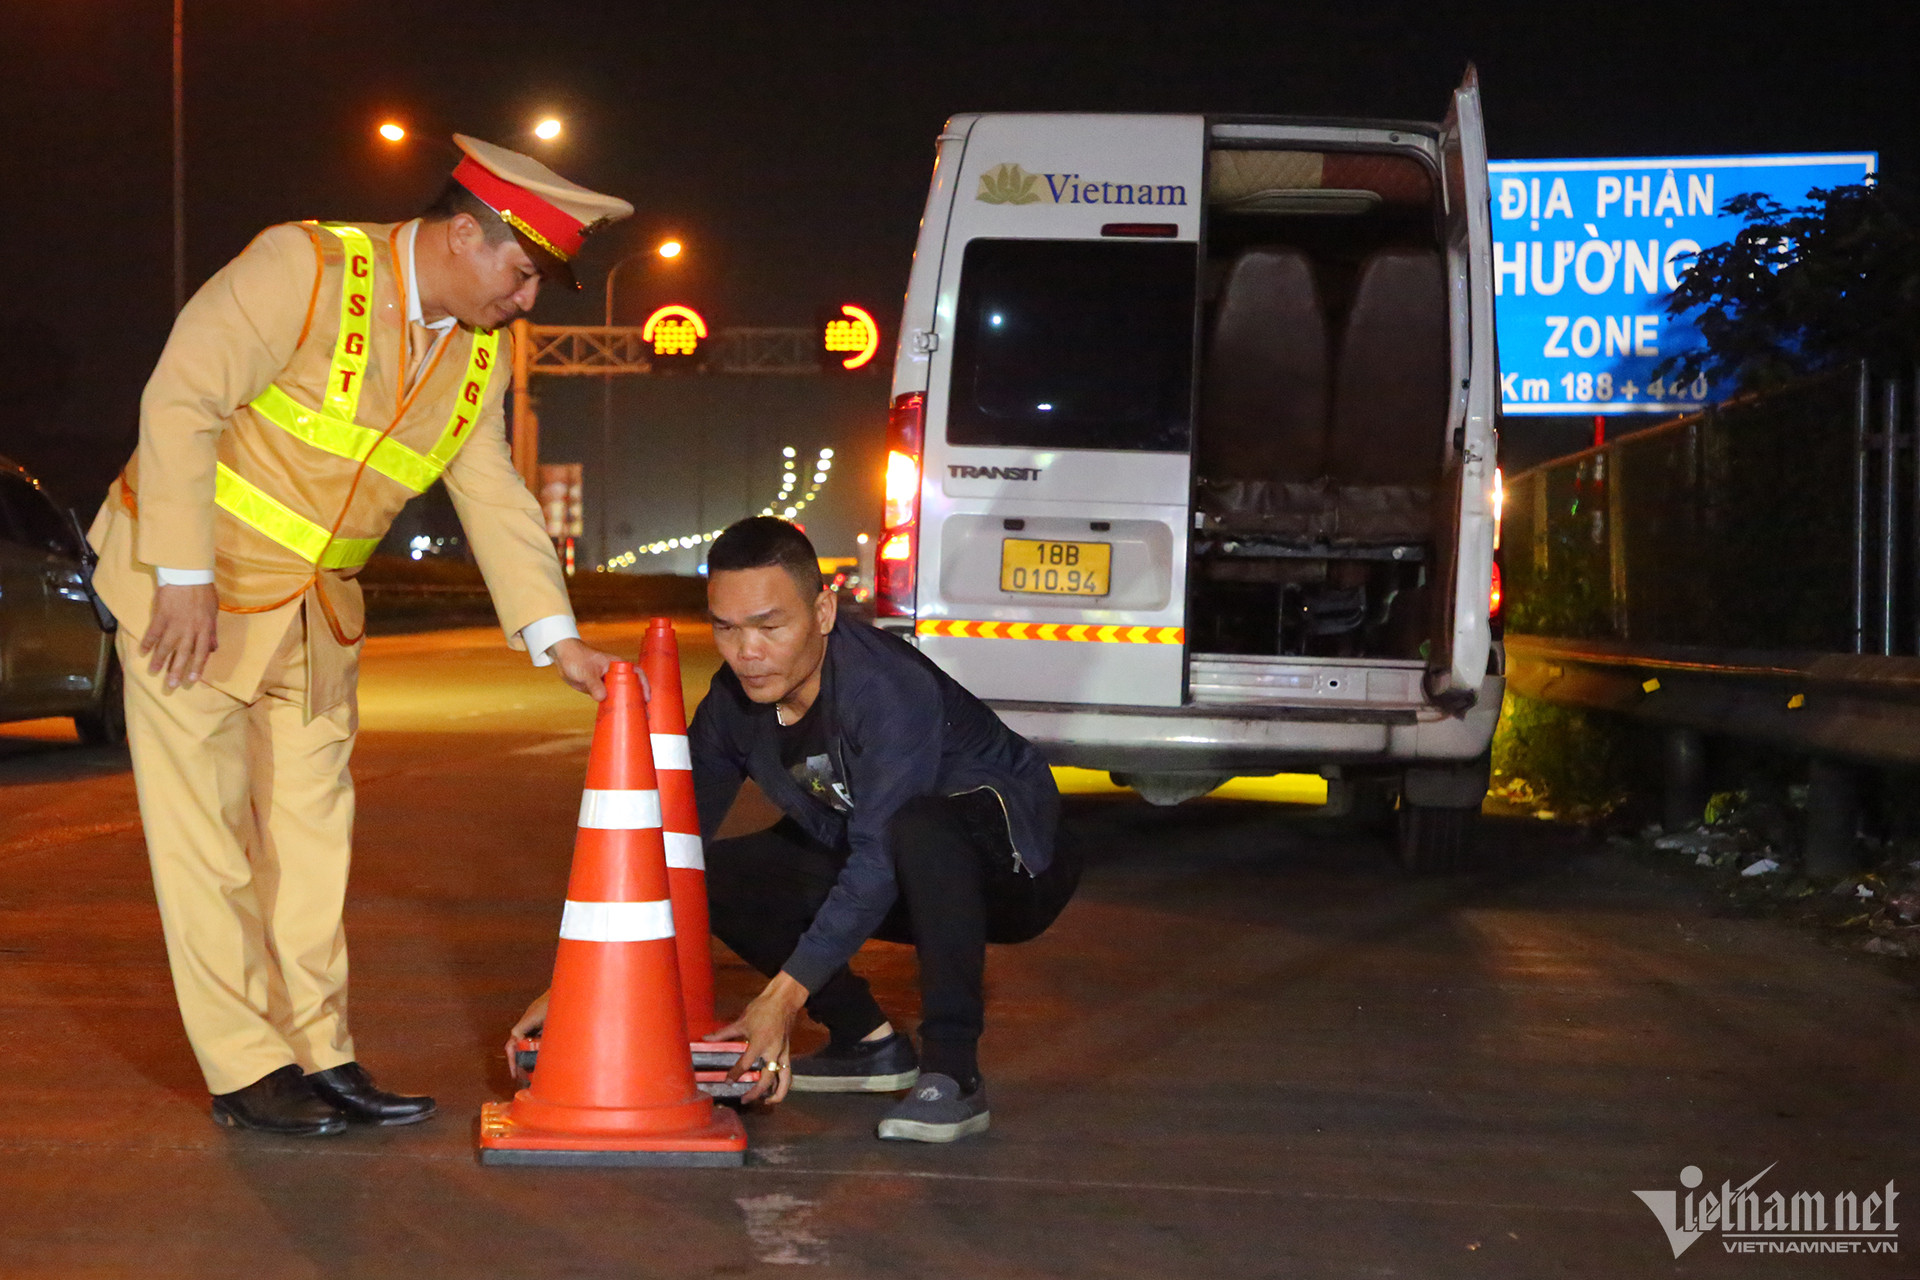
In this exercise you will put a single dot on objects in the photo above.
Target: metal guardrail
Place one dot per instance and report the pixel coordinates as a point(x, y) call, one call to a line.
point(1863, 709)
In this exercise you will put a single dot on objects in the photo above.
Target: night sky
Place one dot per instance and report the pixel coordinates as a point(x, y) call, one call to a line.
point(790, 145)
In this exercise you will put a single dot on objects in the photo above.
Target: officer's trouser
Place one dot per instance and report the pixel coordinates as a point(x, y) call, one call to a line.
point(248, 811)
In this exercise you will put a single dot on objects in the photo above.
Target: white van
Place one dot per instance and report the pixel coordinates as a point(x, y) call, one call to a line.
point(1191, 460)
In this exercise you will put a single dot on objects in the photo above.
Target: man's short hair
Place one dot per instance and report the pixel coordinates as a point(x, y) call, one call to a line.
point(761, 542)
point(455, 199)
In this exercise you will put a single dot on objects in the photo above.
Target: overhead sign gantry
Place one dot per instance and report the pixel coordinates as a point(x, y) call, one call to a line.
point(672, 333)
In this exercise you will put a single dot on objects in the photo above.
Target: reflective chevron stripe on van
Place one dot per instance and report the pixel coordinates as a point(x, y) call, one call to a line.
point(1049, 631)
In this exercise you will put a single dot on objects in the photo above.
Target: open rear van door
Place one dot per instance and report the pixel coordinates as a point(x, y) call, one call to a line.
point(1458, 661)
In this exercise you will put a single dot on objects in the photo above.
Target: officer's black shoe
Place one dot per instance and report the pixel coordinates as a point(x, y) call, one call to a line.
point(279, 1102)
point(352, 1090)
point(869, 1066)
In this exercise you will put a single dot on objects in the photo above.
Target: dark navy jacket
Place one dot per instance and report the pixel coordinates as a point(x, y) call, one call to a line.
point(903, 728)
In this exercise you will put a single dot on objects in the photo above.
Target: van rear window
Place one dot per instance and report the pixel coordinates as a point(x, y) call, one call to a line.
point(1074, 344)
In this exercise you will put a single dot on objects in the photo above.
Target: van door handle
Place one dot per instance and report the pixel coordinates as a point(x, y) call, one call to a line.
point(925, 341)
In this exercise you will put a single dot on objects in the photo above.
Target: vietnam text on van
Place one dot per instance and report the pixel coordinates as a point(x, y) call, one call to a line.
point(1010, 184)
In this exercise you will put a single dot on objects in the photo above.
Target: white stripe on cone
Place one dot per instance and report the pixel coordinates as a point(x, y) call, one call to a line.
point(616, 921)
point(620, 810)
point(684, 851)
point(670, 751)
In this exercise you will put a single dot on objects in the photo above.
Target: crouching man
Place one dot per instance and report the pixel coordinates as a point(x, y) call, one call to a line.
point(911, 814)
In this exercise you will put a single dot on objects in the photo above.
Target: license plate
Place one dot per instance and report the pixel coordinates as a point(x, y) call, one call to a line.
point(1055, 568)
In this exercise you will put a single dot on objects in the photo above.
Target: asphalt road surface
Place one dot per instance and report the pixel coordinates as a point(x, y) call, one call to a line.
point(1249, 1048)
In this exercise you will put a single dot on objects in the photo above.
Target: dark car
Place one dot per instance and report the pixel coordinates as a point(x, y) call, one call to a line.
point(56, 641)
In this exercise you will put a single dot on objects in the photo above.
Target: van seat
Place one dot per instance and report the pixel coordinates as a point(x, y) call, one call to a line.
point(1263, 410)
point(1391, 395)
point(1264, 389)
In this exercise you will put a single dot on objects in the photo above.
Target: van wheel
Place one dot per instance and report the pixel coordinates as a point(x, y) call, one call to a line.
point(106, 724)
point(1434, 840)
point(1374, 804)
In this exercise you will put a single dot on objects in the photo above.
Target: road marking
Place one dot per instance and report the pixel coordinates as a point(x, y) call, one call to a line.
point(781, 1228)
point(1187, 1188)
point(307, 1151)
point(65, 835)
point(557, 747)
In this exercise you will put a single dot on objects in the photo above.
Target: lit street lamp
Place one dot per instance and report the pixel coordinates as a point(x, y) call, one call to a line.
point(668, 249)
point(547, 130)
point(392, 132)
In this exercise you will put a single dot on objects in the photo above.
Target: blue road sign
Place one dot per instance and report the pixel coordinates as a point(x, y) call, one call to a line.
point(1586, 254)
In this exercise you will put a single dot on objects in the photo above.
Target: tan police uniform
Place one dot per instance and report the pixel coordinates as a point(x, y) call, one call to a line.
point(299, 403)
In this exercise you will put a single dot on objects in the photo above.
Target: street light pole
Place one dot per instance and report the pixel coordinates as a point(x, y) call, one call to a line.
point(179, 159)
point(606, 399)
point(605, 486)
point(606, 424)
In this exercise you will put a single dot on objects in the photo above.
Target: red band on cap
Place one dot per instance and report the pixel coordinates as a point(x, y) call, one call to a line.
point(554, 229)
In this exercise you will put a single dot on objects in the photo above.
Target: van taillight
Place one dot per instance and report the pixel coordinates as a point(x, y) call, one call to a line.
point(899, 525)
point(1499, 515)
point(903, 489)
point(1499, 503)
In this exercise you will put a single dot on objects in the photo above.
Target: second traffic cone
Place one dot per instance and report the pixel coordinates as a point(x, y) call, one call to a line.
point(614, 1084)
point(680, 820)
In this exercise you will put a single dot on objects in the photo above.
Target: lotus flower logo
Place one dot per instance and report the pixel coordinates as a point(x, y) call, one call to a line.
point(1008, 184)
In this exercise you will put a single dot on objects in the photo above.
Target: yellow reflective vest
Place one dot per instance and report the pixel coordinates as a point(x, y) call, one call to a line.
point(314, 470)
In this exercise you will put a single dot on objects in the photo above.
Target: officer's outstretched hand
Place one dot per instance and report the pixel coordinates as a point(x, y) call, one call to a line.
point(180, 638)
point(766, 1026)
point(585, 668)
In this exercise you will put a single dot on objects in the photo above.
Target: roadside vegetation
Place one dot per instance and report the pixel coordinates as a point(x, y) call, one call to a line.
point(1558, 763)
point(1589, 769)
point(1805, 290)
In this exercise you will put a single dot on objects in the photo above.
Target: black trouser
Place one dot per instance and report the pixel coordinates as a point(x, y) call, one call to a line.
point(959, 890)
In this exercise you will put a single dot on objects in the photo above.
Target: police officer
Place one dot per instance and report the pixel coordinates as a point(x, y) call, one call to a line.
point(322, 378)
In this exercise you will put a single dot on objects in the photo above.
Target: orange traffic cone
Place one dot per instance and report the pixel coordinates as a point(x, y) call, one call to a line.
point(614, 1084)
point(680, 819)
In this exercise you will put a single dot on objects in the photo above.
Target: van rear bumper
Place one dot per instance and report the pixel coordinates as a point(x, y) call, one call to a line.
point(1252, 739)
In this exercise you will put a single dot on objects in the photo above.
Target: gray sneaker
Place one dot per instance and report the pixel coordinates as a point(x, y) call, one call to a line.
point(936, 1111)
point(871, 1066)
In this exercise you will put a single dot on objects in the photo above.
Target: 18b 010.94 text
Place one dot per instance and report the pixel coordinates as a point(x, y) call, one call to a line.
point(1055, 568)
